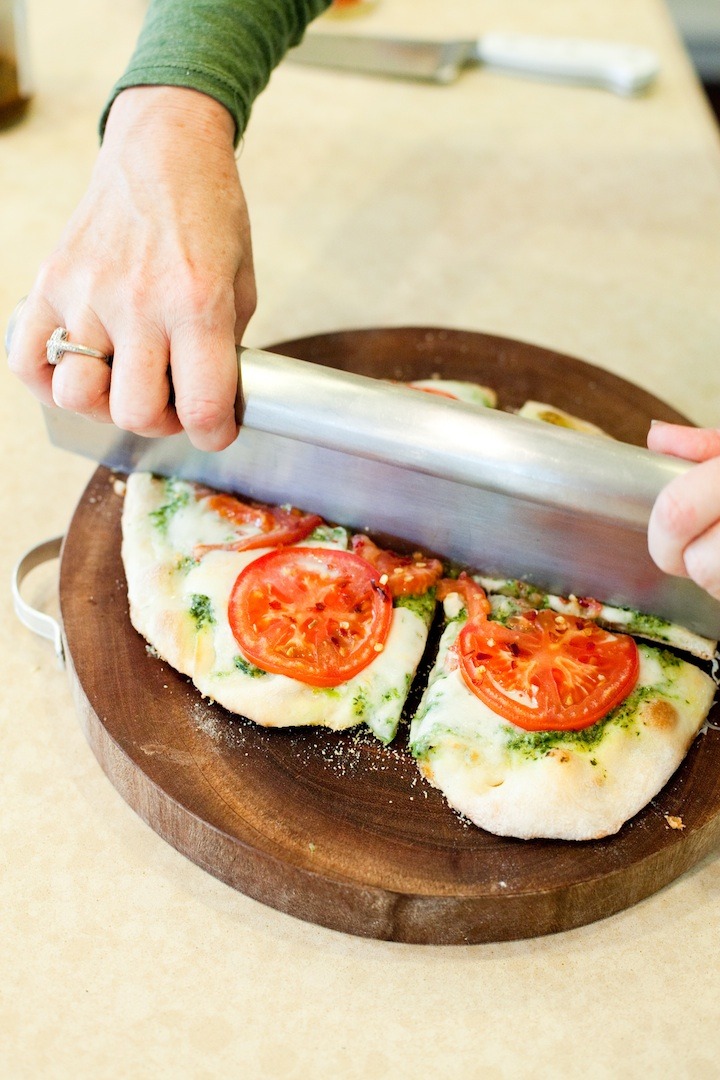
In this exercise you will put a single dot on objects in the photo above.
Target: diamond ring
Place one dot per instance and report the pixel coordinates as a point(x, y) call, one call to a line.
point(58, 345)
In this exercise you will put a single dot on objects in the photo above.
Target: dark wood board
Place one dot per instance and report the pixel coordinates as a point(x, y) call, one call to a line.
point(334, 828)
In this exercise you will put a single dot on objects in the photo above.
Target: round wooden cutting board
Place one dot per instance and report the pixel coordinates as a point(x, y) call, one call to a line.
point(333, 827)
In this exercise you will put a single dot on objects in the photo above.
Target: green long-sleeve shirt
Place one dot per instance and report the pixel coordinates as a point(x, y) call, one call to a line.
point(225, 48)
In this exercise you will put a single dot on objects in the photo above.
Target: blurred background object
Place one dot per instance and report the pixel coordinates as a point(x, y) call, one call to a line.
point(342, 8)
point(699, 23)
point(15, 89)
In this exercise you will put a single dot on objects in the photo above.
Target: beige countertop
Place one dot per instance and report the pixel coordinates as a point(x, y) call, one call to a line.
point(567, 217)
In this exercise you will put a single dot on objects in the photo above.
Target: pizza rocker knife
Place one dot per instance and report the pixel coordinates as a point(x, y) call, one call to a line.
point(509, 496)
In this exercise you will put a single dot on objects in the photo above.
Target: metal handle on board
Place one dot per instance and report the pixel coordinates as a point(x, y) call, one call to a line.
point(39, 622)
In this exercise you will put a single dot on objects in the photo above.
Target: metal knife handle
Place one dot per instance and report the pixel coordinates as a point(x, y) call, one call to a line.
point(482, 448)
point(626, 69)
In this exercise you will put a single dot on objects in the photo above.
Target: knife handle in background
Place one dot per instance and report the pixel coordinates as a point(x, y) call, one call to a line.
point(625, 69)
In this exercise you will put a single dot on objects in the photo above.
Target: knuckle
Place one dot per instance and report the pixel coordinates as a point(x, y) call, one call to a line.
point(702, 562)
point(197, 291)
point(201, 414)
point(135, 416)
point(52, 270)
point(208, 423)
point(77, 398)
point(202, 298)
point(673, 514)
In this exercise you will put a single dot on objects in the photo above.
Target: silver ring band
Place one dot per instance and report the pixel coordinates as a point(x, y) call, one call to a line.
point(58, 344)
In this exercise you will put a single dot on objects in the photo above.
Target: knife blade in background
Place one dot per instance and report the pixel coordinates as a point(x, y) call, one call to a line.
point(624, 69)
point(509, 496)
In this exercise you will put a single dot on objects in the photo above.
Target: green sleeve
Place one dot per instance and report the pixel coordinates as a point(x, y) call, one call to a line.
point(225, 48)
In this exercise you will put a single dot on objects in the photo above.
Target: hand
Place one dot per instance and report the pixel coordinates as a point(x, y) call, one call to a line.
point(684, 530)
point(155, 267)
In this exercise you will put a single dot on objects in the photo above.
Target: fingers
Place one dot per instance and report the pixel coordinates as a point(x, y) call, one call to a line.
point(81, 384)
point(205, 377)
point(155, 267)
point(27, 357)
point(693, 444)
point(684, 528)
point(702, 560)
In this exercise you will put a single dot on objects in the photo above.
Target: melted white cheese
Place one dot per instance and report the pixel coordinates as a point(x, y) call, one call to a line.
point(559, 785)
point(164, 584)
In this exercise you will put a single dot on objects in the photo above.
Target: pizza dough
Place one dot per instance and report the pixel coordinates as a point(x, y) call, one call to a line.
point(179, 604)
point(574, 785)
point(560, 785)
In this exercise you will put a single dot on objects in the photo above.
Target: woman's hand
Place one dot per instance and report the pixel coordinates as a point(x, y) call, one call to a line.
point(154, 267)
point(684, 530)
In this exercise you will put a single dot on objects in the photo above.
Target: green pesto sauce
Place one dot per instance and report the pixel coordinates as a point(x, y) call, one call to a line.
point(325, 534)
point(360, 704)
point(391, 695)
point(243, 665)
point(201, 610)
point(423, 604)
point(176, 498)
point(651, 626)
point(186, 563)
point(668, 660)
point(534, 744)
point(460, 617)
point(523, 590)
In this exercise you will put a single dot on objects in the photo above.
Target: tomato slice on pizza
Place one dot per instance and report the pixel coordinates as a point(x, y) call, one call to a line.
point(278, 525)
point(239, 513)
point(542, 671)
point(405, 575)
point(317, 615)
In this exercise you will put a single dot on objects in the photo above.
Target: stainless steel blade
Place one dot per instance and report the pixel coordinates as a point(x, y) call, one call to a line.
point(409, 58)
point(506, 495)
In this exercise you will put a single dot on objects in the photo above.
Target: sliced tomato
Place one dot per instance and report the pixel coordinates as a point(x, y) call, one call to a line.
point(432, 390)
point(315, 614)
point(290, 527)
point(544, 671)
point(407, 575)
point(472, 595)
point(279, 525)
point(240, 513)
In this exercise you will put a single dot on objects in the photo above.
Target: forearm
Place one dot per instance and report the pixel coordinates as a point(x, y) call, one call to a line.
point(224, 48)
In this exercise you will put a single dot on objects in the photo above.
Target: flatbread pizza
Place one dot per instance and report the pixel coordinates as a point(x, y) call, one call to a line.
point(271, 612)
point(550, 414)
point(536, 723)
point(542, 715)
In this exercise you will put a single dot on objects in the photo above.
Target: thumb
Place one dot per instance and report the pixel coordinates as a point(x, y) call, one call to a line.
point(693, 444)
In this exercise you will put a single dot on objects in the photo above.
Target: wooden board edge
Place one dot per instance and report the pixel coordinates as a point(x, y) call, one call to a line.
point(366, 911)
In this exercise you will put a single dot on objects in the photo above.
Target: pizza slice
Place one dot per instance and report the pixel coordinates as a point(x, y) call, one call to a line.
point(539, 723)
point(273, 613)
point(550, 414)
point(510, 596)
point(459, 390)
